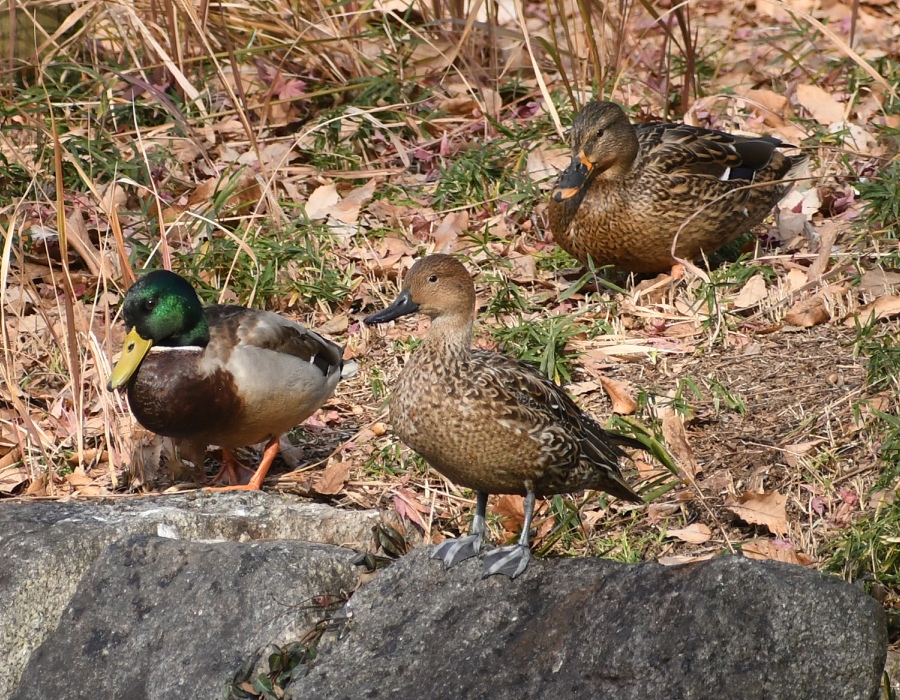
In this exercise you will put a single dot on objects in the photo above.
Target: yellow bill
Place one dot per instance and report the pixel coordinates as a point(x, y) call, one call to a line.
point(132, 354)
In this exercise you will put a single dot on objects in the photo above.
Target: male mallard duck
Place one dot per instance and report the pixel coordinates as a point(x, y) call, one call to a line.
point(487, 421)
point(224, 375)
point(630, 188)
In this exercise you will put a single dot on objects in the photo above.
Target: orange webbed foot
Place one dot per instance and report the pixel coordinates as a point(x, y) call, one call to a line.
point(259, 475)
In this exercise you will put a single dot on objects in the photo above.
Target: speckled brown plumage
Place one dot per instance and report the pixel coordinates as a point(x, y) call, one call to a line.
point(483, 419)
point(630, 188)
point(493, 424)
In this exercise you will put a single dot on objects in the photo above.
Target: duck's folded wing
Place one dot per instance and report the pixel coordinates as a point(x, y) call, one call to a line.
point(532, 392)
point(264, 329)
point(677, 149)
point(682, 149)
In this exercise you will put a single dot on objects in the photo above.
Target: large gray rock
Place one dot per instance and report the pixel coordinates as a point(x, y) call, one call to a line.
point(161, 619)
point(592, 628)
point(46, 547)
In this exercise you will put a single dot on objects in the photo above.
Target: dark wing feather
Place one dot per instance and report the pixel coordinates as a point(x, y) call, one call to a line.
point(756, 152)
point(678, 148)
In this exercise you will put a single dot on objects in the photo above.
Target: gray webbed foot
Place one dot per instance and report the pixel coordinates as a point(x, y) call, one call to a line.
point(509, 561)
point(452, 552)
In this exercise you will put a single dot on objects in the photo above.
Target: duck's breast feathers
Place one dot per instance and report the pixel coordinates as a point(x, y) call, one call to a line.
point(172, 395)
point(233, 327)
point(683, 149)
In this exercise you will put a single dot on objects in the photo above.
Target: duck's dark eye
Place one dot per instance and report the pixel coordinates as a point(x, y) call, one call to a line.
point(433, 278)
point(150, 303)
point(599, 133)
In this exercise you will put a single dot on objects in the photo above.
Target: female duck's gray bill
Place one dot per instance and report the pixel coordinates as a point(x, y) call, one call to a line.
point(403, 305)
point(572, 180)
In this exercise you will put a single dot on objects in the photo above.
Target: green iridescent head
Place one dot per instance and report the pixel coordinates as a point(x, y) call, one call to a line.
point(161, 308)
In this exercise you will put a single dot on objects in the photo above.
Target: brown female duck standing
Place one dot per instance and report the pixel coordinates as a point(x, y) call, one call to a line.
point(224, 374)
point(487, 421)
point(631, 188)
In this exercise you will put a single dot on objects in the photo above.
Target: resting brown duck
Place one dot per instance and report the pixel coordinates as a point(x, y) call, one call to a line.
point(630, 188)
point(487, 421)
point(224, 374)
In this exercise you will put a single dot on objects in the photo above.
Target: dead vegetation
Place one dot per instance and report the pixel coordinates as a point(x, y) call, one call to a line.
point(300, 159)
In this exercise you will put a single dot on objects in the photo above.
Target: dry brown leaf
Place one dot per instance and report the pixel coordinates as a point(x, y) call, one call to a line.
point(78, 478)
point(620, 394)
point(631, 351)
point(652, 291)
point(776, 551)
point(580, 388)
point(827, 235)
point(795, 279)
point(38, 487)
point(751, 293)
point(773, 10)
point(80, 240)
point(676, 440)
point(143, 451)
point(460, 104)
point(10, 458)
point(684, 329)
point(545, 162)
point(773, 105)
point(659, 511)
point(695, 533)
point(334, 325)
point(766, 509)
point(524, 267)
point(184, 150)
point(679, 559)
point(492, 102)
point(347, 210)
point(808, 312)
point(332, 479)
point(512, 508)
point(19, 300)
point(806, 202)
point(543, 528)
point(590, 518)
point(881, 308)
point(321, 202)
point(13, 477)
point(880, 498)
point(792, 453)
point(878, 282)
point(244, 189)
point(390, 252)
point(270, 154)
point(84, 484)
point(409, 508)
point(649, 471)
point(879, 402)
point(450, 229)
point(820, 104)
